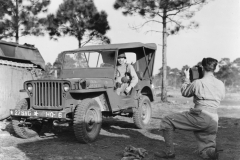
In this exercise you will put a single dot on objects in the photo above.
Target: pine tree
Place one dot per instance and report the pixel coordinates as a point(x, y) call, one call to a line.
point(21, 17)
point(79, 18)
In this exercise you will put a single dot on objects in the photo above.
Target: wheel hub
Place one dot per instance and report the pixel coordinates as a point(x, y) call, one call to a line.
point(144, 112)
point(91, 119)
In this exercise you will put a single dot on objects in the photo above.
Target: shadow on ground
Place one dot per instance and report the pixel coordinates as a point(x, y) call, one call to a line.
point(116, 134)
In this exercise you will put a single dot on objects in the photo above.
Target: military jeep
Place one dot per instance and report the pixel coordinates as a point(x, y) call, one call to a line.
point(84, 92)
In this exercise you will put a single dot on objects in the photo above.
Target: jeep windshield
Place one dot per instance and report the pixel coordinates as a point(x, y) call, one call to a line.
point(89, 59)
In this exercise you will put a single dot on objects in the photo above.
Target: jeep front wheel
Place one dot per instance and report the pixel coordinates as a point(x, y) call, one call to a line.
point(142, 115)
point(87, 121)
point(21, 126)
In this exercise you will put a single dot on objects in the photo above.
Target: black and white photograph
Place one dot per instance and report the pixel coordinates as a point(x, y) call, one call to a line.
point(119, 79)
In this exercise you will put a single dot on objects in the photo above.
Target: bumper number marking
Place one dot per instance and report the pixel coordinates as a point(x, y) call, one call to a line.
point(28, 113)
point(50, 114)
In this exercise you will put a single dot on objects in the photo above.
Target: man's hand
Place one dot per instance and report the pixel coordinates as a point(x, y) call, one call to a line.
point(186, 72)
point(128, 89)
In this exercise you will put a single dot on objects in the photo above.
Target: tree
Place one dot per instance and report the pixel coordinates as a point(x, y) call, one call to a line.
point(170, 13)
point(79, 18)
point(224, 62)
point(21, 18)
point(236, 63)
point(228, 73)
point(174, 77)
point(159, 75)
point(47, 73)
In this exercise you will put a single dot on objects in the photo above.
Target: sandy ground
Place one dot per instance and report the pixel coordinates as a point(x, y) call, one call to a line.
point(119, 132)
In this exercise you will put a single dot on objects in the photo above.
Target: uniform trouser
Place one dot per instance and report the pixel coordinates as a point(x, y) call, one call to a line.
point(120, 91)
point(204, 126)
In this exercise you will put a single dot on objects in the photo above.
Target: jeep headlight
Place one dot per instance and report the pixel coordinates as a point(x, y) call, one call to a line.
point(29, 87)
point(66, 87)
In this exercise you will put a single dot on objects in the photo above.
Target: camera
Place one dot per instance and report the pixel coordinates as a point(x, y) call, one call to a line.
point(196, 72)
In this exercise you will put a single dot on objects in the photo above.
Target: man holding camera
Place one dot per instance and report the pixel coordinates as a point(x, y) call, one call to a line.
point(126, 77)
point(207, 93)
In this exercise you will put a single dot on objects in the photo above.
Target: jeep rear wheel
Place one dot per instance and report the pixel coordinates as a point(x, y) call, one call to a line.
point(142, 115)
point(21, 126)
point(87, 121)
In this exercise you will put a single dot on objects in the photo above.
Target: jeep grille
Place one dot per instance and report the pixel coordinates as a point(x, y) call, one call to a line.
point(47, 94)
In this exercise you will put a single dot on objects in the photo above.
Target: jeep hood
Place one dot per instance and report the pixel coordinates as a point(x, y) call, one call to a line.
point(88, 73)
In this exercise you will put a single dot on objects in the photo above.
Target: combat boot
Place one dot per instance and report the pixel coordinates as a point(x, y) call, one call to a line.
point(212, 154)
point(169, 153)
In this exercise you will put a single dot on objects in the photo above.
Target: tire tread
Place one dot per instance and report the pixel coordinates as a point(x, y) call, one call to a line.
point(137, 114)
point(79, 116)
point(20, 131)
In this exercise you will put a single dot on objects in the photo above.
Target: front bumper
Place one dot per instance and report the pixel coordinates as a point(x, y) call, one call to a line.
point(37, 113)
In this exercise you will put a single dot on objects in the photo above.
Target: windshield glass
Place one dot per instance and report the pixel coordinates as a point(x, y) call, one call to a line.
point(89, 59)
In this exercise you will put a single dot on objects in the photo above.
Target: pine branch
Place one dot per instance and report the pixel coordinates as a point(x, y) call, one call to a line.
point(177, 23)
point(174, 13)
point(84, 43)
point(159, 14)
point(153, 31)
point(7, 35)
point(149, 22)
point(183, 7)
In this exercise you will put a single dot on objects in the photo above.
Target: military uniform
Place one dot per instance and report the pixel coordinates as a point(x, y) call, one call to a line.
point(203, 118)
point(126, 70)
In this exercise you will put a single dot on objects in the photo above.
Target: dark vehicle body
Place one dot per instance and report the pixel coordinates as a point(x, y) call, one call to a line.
point(84, 91)
point(18, 63)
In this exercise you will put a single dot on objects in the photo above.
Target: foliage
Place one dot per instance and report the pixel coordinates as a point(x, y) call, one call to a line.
point(78, 61)
point(174, 77)
point(229, 72)
point(48, 72)
point(177, 12)
point(79, 18)
point(21, 18)
point(236, 62)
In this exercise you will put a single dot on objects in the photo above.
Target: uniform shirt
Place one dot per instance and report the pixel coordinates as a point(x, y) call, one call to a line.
point(122, 69)
point(208, 91)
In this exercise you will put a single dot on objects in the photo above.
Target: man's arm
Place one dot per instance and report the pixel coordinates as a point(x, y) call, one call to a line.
point(134, 76)
point(187, 88)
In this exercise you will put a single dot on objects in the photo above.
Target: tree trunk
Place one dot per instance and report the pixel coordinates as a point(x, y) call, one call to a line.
point(79, 38)
point(79, 43)
point(164, 58)
point(16, 27)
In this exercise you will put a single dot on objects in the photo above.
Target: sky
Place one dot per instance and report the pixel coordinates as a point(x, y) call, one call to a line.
point(218, 35)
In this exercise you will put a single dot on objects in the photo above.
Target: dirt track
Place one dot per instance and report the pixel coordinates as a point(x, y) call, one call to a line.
point(116, 134)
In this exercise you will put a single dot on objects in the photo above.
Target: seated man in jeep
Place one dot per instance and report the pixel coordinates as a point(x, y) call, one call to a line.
point(126, 77)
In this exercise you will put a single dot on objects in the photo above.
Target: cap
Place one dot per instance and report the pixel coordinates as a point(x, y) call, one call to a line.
point(122, 55)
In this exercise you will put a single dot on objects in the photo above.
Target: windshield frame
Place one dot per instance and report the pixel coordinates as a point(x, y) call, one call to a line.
point(87, 58)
